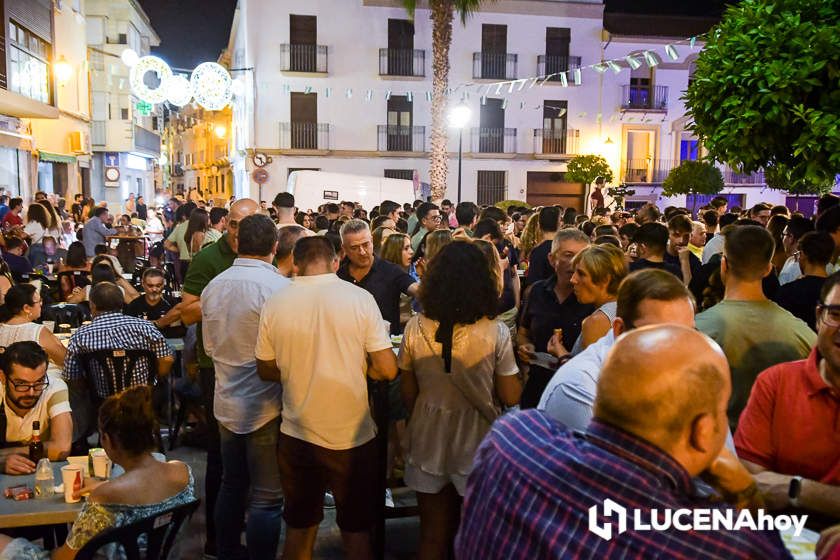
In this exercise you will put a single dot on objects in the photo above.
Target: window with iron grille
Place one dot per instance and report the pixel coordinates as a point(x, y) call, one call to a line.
point(407, 174)
point(492, 187)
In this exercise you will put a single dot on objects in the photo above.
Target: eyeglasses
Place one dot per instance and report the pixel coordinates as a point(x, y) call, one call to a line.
point(23, 386)
point(435, 218)
point(829, 314)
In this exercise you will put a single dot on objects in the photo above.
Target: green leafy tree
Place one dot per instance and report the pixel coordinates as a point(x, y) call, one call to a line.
point(693, 177)
point(442, 14)
point(766, 92)
point(585, 169)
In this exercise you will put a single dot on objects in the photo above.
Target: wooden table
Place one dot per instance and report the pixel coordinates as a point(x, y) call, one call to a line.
point(30, 513)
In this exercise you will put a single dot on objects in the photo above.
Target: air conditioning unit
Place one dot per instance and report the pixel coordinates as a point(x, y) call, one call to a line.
point(79, 142)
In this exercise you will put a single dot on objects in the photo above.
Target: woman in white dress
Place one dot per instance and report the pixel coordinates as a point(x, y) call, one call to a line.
point(23, 302)
point(458, 369)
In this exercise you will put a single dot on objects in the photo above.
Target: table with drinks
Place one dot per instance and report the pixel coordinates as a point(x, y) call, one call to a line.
point(44, 502)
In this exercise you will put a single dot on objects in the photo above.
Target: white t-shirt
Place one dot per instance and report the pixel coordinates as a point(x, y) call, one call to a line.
point(54, 401)
point(37, 232)
point(319, 331)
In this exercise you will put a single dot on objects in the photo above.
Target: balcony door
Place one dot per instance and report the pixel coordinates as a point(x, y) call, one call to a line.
point(640, 87)
point(639, 156)
point(554, 127)
point(400, 47)
point(400, 121)
point(557, 41)
point(492, 132)
point(493, 51)
point(304, 121)
point(303, 40)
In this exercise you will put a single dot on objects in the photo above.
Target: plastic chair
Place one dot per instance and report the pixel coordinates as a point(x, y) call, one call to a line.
point(160, 529)
point(117, 365)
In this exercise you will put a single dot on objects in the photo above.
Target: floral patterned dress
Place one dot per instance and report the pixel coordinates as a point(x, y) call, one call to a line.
point(96, 518)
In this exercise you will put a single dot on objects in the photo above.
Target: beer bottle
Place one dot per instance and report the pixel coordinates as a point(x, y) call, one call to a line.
point(36, 447)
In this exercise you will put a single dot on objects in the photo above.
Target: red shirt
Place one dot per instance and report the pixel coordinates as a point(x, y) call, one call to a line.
point(791, 424)
point(12, 219)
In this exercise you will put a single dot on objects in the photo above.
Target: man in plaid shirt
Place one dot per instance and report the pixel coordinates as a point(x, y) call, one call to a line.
point(660, 420)
point(109, 330)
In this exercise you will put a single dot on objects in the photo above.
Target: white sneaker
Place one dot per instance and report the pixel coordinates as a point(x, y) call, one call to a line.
point(389, 498)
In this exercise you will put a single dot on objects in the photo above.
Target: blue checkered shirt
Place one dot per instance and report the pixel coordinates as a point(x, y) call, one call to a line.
point(534, 481)
point(111, 331)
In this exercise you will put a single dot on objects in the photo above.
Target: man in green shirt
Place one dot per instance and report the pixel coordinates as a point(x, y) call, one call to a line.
point(206, 265)
point(753, 332)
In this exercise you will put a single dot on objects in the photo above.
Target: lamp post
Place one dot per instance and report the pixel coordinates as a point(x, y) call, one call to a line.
point(459, 117)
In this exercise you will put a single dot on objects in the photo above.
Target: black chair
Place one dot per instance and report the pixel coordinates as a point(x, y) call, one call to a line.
point(160, 531)
point(69, 279)
point(117, 365)
point(69, 313)
point(170, 279)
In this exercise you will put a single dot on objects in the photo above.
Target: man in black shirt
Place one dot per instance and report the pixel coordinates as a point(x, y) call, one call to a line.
point(152, 305)
point(651, 240)
point(801, 296)
point(383, 280)
point(538, 266)
point(551, 305)
point(677, 252)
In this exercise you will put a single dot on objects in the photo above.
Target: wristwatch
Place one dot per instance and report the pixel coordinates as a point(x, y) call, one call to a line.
point(794, 490)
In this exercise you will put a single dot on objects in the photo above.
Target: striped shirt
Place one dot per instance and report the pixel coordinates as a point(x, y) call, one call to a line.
point(533, 483)
point(110, 331)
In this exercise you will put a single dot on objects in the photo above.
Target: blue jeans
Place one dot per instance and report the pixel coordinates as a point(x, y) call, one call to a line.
point(249, 461)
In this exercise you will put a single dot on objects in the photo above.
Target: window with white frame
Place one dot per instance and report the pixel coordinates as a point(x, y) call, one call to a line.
point(28, 63)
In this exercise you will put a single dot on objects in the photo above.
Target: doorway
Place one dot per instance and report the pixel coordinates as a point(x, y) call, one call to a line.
point(547, 188)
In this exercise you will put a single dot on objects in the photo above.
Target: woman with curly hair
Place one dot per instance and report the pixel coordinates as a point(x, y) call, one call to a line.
point(531, 236)
point(458, 369)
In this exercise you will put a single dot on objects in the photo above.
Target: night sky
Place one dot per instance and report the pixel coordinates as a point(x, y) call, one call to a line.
point(195, 31)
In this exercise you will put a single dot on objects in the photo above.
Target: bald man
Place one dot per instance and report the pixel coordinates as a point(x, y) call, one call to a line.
point(660, 420)
point(206, 265)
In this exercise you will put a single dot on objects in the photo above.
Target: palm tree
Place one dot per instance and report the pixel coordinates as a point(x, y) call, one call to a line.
point(442, 13)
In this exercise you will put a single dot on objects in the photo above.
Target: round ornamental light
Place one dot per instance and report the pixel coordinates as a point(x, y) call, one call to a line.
point(138, 74)
point(211, 86)
point(178, 90)
point(129, 57)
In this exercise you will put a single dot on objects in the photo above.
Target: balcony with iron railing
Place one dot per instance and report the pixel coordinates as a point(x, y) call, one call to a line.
point(395, 138)
point(486, 140)
point(556, 141)
point(494, 66)
point(548, 64)
point(644, 98)
point(402, 62)
point(146, 141)
point(734, 177)
point(311, 59)
point(304, 136)
point(647, 170)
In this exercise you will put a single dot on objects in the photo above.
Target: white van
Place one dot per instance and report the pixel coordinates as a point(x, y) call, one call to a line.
point(314, 188)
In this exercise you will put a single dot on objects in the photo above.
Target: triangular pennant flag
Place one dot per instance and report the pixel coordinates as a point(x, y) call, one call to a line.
point(327, 92)
point(614, 67)
point(521, 105)
point(484, 100)
point(651, 58)
point(499, 89)
point(672, 52)
point(600, 67)
point(510, 89)
point(522, 85)
point(348, 93)
point(533, 82)
point(388, 95)
point(632, 61)
point(368, 95)
point(307, 89)
point(577, 77)
point(409, 97)
point(692, 41)
point(564, 81)
point(504, 103)
point(428, 96)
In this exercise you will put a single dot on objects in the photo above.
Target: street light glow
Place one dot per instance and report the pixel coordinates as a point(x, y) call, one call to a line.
point(63, 70)
point(459, 116)
point(220, 131)
point(129, 57)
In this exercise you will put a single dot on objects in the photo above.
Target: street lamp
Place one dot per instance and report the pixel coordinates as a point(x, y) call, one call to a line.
point(459, 117)
point(63, 70)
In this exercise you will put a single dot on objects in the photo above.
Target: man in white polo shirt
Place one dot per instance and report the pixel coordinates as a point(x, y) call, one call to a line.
point(30, 395)
point(320, 338)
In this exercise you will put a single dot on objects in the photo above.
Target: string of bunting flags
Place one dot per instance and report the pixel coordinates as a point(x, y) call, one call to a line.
point(572, 76)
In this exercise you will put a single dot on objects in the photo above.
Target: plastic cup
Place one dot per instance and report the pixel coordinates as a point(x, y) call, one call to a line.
point(71, 477)
point(101, 465)
point(49, 325)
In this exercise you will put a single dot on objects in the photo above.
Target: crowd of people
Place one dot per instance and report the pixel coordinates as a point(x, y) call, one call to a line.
point(537, 362)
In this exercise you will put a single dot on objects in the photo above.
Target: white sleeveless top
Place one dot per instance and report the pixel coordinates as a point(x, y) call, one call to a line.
point(9, 334)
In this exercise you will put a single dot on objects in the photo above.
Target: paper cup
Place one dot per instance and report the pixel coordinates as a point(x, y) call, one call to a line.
point(101, 465)
point(71, 477)
point(49, 325)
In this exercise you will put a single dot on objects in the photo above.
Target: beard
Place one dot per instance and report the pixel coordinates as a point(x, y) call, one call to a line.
point(25, 402)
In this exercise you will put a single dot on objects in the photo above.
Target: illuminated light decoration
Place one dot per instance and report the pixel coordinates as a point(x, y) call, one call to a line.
point(138, 73)
point(691, 42)
point(211, 85)
point(178, 90)
point(129, 57)
point(577, 77)
point(220, 131)
point(672, 52)
point(327, 92)
point(633, 62)
point(614, 66)
point(63, 70)
point(237, 87)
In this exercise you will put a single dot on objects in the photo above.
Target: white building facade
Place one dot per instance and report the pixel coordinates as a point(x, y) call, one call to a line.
point(125, 141)
point(343, 86)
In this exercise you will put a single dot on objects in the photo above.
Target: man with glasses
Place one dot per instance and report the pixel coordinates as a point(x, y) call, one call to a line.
point(429, 219)
point(754, 332)
point(787, 434)
point(30, 395)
